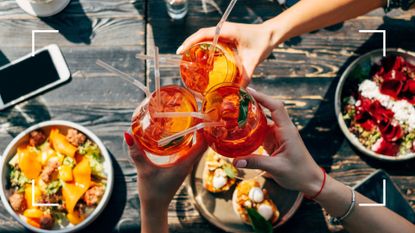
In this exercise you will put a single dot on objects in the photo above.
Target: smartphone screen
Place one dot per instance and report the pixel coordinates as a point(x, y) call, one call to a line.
point(27, 76)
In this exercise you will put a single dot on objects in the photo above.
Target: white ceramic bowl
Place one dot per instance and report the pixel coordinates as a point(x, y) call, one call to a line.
point(63, 126)
point(364, 61)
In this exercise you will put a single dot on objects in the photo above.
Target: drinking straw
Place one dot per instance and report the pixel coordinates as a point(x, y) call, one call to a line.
point(124, 76)
point(204, 6)
point(157, 74)
point(198, 115)
point(171, 61)
point(218, 28)
point(165, 141)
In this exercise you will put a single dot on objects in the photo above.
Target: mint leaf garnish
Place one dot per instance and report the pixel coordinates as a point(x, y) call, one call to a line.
point(174, 142)
point(259, 223)
point(244, 101)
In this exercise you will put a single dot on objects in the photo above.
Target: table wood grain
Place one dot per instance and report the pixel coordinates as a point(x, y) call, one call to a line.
point(303, 72)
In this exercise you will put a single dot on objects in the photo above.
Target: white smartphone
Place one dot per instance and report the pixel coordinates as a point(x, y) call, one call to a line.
point(31, 75)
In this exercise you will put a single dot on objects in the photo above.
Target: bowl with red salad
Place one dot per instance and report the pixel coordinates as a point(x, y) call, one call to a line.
point(375, 104)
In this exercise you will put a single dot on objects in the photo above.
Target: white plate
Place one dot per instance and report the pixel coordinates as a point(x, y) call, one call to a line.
point(63, 126)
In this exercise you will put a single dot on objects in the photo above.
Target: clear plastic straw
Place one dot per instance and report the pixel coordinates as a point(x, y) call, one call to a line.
point(165, 141)
point(124, 76)
point(198, 115)
point(218, 28)
point(157, 74)
point(204, 6)
point(171, 61)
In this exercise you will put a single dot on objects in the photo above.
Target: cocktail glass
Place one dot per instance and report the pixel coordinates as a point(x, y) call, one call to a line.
point(199, 76)
point(148, 129)
point(244, 123)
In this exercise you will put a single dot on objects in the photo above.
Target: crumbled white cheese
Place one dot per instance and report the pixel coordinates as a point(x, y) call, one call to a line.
point(220, 172)
point(403, 110)
point(219, 178)
point(219, 181)
point(265, 211)
point(256, 194)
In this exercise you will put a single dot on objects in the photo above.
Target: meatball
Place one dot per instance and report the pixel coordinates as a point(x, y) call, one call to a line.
point(36, 138)
point(75, 138)
point(49, 170)
point(46, 221)
point(18, 202)
point(93, 195)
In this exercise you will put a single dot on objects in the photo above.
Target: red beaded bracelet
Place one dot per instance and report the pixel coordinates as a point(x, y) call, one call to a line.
point(322, 186)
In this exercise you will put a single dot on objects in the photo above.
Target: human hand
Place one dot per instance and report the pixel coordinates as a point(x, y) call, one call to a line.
point(157, 185)
point(290, 165)
point(253, 42)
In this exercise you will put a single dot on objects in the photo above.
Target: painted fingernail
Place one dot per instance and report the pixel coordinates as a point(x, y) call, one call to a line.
point(179, 50)
point(241, 163)
point(251, 89)
point(128, 139)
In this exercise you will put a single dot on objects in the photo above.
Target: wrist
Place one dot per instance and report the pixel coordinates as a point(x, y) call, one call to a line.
point(152, 204)
point(153, 219)
point(336, 197)
point(276, 30)
point(315, 183)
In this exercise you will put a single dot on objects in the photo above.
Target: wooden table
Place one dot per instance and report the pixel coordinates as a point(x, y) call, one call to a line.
point(303, 72)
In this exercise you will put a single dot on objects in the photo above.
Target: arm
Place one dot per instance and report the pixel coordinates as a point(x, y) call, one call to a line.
point(292, 167)
point(309, 15)
point(305, 16)
point(157, 186)
point(336, 198)
point(153, 218)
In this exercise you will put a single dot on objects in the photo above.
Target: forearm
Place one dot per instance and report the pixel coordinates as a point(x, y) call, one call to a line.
point(336, 198)
point(309, 15)
point(153, 219)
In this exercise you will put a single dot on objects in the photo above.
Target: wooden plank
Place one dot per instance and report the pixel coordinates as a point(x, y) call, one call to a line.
point(91, 8)
point(95, 32)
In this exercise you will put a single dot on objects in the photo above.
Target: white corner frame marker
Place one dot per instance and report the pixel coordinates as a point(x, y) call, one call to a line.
point(39, 204)
point(39, 31)
point(383, 204)
point(383, 34)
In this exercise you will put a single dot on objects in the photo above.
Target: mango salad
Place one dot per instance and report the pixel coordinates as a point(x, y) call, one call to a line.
point(56, 180)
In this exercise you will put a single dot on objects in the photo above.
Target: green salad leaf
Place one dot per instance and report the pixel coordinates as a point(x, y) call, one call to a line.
point(53, 187)
point(259, 223)
point(18, 179)
point(68, 161)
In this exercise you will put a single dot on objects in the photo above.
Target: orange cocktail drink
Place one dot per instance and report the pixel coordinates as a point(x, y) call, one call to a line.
point(148, 129)
point(199, 76)
point(244, 123)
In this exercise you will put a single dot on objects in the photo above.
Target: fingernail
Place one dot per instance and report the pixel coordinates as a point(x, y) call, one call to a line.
point(128, 139)
point(251, 89)
point(241, 163)
point(179, 50)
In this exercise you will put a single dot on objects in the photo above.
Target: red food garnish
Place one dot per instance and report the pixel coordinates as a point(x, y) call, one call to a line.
point(386, 148)
point(391, 87)
point(379, 113)
point(397, 78)
point(391, 132)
